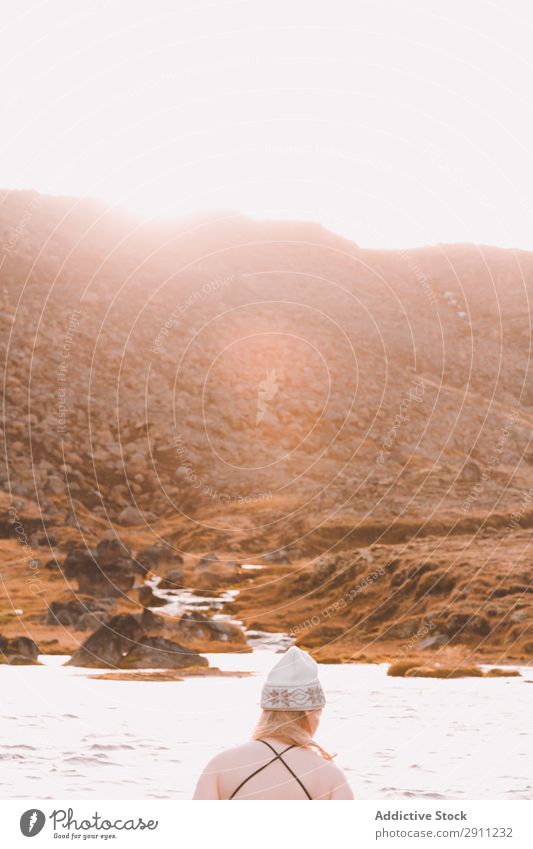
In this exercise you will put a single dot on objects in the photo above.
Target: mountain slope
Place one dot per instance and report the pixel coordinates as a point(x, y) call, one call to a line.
point(250, 386)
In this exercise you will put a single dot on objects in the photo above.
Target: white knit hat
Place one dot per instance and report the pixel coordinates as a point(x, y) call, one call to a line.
point(292, 684)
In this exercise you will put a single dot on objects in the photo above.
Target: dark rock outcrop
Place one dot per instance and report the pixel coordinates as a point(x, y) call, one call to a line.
point(211, 572)
point(105, 572)
point(110, 550)
point(18, 651)
point(173, 580)
point(150, 621)
point(122, 643)
point(466, 625)
point(108, 645)
point(148, 599)
point(198, 626)
point(151, 556)
point(77, 612)
point(160, 653)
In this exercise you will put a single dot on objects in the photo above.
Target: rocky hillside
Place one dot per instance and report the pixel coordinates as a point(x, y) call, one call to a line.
point(245, 386)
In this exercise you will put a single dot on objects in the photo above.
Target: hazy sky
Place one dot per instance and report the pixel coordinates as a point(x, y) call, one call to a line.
point(394, 123)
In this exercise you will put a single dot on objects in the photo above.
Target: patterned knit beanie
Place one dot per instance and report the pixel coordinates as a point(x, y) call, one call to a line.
point(292, 684)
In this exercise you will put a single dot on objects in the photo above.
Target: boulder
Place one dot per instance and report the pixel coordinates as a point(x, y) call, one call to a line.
point(110, 549)
point(211, 572)
point(21, 660)
point(100, 577)
point(150, 621)
point(153, 555)
point(18, 651)
point(108, 645)
point(466, 625)
point(148, 599)
point(160, 653)
point(280, 556)
point(40, 540)
point(198, 626)
point(471, 472)
point(207, 583)
point(173, 580)
point(79, 613)
point(207, 561)
point(132, 516)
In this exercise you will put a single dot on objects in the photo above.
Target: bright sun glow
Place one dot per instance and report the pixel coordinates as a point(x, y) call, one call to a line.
point(394, 125)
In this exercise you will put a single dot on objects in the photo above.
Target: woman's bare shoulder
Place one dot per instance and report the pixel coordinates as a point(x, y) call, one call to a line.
point(339, 787)
point(243, 753)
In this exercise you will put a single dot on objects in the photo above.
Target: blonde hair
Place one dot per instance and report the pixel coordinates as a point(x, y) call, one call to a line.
point(288, 726)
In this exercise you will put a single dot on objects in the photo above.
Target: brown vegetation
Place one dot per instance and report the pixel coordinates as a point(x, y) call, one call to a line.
point(413, 669)
point(357, 421)
point(169, 675)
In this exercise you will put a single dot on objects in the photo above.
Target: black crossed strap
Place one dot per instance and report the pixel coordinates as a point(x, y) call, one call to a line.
point(278, 757)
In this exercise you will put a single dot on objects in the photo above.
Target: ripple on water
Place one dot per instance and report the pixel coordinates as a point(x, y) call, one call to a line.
point(197, 718)
point(90, 759)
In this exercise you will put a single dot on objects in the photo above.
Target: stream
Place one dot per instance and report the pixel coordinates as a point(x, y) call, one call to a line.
point(186, 601)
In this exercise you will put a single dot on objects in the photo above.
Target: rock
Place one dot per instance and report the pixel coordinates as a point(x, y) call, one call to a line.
point(22, 660)
point(195, 626)
point(111, 549)
point(18, 651)
point(199, 626)
point(280, 556)
point(173, 580)
point(160, 653)
point(400, 668)
point(434, 584)
point(97, 578)
point(148, 599)
point(211, 573)
point(207, 561)
point(471, 472)
point(324, 568)
point(466, 625)
point(160, 553)
point(207, 582)
point(24, 646)
point(43, 540)
point(79, 613)
point(150, 621)
point(150, 557)
point(108, 645)
point(131, 516)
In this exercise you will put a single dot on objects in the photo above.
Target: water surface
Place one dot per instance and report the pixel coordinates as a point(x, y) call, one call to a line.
point(66, 735)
